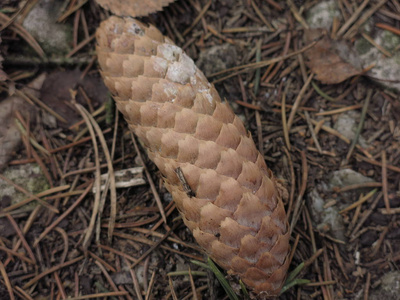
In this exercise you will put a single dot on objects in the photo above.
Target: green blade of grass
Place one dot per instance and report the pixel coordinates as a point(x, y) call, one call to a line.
point(221, 278)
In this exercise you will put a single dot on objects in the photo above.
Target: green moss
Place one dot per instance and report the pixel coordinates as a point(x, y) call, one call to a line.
point(390, 41)
point(396, 57)
point(363, 46)
point(29, 177)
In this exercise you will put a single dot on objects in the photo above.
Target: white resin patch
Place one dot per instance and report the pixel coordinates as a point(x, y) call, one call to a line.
point(182, 71)
point(169, 52)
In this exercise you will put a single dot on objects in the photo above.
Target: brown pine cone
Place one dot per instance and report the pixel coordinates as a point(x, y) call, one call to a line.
point(232, 203)
point(133, 8)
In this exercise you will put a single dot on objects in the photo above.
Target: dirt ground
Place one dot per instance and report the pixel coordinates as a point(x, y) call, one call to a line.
point(299, 90)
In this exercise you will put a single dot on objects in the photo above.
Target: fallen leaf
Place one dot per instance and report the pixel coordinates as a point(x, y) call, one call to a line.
point(133, 8)
point(332, 61)
point(55, 93)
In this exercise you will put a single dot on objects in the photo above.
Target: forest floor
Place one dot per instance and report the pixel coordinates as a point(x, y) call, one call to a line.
point(326, 122)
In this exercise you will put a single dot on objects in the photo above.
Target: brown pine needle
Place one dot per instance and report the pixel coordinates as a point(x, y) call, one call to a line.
point(384, 182)
point(22, 238)
point(352, 19)
point(51, 270)
point(27, 193)
point(151, 182)
point(284, 124)
point(250, 66)
point(21, 31)
point(360, 201)
point(360, 125)
point(313, 135)
point(339, 110)
point(96, 204)
point(388, 27)
point(198, 18)
point(17, 254)
point(39, 195)
point(364, 17)
point(7, 282)
point(376, 45)
point(111, 177)
point(66, 213)
point(296, 103)
point(101, 295)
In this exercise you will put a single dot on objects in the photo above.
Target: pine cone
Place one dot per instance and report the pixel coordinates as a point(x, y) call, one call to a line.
point(133, 8)
point(227, 196)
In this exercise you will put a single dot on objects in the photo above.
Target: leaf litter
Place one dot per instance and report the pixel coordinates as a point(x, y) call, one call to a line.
point(141, 237)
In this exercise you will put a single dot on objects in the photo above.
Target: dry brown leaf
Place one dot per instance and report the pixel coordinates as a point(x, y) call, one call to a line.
point(331, 61)
point(133, 8)
point(55, 93)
